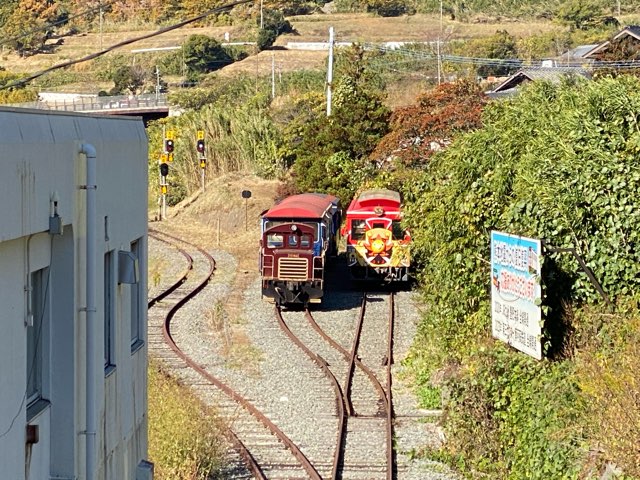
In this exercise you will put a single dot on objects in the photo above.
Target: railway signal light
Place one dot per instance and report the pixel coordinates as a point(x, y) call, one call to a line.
point(203, 163)
point(164, 169)
point(168, 145)
point(200, 141)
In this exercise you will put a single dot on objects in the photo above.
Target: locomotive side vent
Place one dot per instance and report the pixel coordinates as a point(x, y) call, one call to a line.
point(292, 268)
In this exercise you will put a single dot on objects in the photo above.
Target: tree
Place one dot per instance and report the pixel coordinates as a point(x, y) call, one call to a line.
point(274, 25)
point(420, 130)
point(325, 146)
point(28, 22)
point(579, 14)
point(501, 45)
point(203, 54)
point(127, 78)
point(6, 10)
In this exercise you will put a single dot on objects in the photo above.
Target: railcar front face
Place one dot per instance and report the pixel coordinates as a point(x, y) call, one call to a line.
point(377, 247)
point(291, 263)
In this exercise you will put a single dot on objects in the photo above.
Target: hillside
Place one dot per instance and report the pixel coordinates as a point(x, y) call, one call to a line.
point(309, 28)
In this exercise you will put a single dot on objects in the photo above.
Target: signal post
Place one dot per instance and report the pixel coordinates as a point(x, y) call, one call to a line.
point(165, 159)
point(200, 147)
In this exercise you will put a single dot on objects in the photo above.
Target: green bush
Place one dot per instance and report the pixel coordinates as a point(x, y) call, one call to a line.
point(391, 8)
point(202, 54)
point(559, 163)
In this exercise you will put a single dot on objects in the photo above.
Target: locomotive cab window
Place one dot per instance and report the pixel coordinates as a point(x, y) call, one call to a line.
point(378, 225)
point(398, 231)
point(293, 240)
point(305, 241)
point(357, 229)
point(275, 240)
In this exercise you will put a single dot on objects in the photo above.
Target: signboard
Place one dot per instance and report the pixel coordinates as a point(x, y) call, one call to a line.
point(246, 194)
point(200, 135)
point(515, 292)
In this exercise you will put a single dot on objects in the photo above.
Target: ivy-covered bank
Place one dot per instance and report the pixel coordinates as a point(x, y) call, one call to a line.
point(559, 163)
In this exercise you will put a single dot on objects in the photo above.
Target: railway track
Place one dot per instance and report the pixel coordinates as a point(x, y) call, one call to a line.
point(363, 405)
point(292, 392)
point(262, 453)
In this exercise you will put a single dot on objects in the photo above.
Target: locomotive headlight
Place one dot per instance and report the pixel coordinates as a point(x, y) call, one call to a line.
point(294, 228)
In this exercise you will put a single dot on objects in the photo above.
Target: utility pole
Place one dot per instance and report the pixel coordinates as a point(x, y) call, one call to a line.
point(330, 72)
point(261, 15)
point(101, 15)
point(157, 84)
point(618, 7)
point(438, 46)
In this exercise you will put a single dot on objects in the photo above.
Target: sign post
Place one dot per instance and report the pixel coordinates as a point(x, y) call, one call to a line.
point(246, 194)
point(516, 294)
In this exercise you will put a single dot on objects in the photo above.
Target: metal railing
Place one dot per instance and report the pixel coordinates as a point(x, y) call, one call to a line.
point(94, 104)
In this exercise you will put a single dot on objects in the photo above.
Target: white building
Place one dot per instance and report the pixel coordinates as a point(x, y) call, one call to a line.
point(73, 229)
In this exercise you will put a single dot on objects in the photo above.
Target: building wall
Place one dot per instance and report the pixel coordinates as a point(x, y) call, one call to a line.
point(41, 164)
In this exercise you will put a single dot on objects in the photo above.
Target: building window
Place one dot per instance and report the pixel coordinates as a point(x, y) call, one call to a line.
point(137, 339)
point(109, 313)
point(38, 342)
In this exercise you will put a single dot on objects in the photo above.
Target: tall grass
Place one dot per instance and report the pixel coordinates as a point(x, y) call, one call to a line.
point(185, 438)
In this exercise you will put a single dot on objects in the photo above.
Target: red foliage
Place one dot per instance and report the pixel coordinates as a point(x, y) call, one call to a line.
point(420, 130)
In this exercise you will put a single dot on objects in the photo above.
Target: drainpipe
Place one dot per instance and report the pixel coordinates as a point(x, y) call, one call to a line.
point(90, 309)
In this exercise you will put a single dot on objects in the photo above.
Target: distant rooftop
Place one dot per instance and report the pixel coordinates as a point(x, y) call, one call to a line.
point(550, 74)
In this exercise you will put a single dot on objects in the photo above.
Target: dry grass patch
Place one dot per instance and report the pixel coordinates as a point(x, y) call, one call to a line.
point(608, 376)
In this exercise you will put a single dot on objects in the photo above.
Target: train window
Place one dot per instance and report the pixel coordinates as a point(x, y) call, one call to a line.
point(357, 229)
point(275, 240)
point(316, 229)
point(270, 224)
point(378, 225)
point(397, 230)
point(305, 241)
point(293, 240)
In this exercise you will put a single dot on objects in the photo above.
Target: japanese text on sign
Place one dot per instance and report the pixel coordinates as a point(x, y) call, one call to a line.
point(515, 292)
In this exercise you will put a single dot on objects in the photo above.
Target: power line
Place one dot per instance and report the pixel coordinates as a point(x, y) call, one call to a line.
point(506, 62)
point(174, 26)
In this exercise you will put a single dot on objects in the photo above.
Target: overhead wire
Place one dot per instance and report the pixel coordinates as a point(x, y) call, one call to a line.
point(507, 62)
point(175, 26)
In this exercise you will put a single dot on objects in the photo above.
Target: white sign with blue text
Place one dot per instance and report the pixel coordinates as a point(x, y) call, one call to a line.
point(516, 317)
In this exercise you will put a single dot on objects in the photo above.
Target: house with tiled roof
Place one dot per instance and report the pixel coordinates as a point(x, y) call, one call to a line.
point(625, 42)
point(549, 74)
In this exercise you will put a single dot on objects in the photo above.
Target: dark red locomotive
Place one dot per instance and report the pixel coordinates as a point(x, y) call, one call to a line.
point(298, 234)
